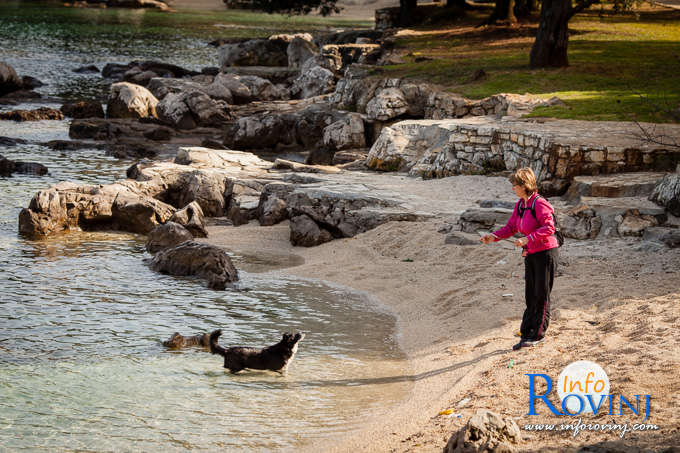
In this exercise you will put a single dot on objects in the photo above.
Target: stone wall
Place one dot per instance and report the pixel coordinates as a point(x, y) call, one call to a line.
point(558, 149)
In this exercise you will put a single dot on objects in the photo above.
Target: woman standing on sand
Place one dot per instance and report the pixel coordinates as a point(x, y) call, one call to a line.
point(532, 217)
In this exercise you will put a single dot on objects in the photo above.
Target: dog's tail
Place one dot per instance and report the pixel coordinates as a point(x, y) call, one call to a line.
point(214, 347)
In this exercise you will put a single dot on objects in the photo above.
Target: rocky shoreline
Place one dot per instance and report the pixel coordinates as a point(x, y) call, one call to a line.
point(377, 156)
point(346, 126)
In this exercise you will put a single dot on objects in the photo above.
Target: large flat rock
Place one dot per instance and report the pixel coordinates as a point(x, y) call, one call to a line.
point(552, 148)
point(637, 184)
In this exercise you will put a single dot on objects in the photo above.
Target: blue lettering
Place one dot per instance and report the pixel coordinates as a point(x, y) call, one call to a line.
point(533, 397)
point(564, 404)
point(592, 406)
point(648, 399)
point(636, 410)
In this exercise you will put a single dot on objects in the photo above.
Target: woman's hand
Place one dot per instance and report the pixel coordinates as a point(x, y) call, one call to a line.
point(521, 242)
point(487, 238)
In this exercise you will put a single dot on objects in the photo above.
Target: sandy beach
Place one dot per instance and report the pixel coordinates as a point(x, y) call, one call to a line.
point(613, 303)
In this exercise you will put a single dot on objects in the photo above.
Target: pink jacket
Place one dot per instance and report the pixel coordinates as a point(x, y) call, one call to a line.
point(539, 231)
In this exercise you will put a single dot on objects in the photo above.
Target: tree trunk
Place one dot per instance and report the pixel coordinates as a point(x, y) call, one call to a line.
point(407, 9)
point(524, 8)
point(503, 12)
point(550, 46)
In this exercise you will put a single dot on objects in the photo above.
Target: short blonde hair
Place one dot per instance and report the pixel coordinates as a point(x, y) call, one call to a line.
point(524, 177)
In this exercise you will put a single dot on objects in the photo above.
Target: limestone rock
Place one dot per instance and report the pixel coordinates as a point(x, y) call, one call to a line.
point(160, 87)
point(191, 218)
point(349, 156)
point(306, 233)
point(130, 101)
point(207, 189)
point(474, 219)
point(190, 109)
point(346, 133)
point(300, 130)
point(313, 82)
point(300, 50)
point(272, 205)
point(46, 214)
point(39, 114)
point(9, 80)
point(485, 432)
point(83, 109)
point(387, 104)
point(167, 235)
point(635, 184)
point(273, 211)
point(283, 164)
point(255, 52)
point(460, 238)
point(173, 110)
point(346, 211)
point(580, 222)
point(275, 74)
point(139, 214)
point(261, 89)
point(634, 224)
point(667, 193)
point(202, 260)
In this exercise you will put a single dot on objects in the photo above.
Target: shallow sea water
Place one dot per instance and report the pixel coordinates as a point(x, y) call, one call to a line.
point(82, 316)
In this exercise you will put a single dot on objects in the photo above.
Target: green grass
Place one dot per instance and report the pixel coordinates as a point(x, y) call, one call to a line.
point(622, 67)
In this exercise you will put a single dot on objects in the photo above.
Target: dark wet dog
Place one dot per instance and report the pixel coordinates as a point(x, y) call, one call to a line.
point(178, 341)
point(273, 358)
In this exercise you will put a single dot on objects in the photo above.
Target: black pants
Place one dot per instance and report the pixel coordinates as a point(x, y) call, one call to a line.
point(539, 273)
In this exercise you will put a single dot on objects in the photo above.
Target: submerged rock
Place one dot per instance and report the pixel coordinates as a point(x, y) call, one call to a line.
point(170, 234)
point(39, 114)
point(83, 109)
point(7, 167)
point(206, 261)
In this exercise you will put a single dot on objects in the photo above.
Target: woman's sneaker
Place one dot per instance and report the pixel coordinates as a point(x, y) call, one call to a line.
point(525, 343)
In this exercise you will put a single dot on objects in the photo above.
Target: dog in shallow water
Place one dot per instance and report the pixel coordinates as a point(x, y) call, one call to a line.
point(177, 341)
point(274, 358)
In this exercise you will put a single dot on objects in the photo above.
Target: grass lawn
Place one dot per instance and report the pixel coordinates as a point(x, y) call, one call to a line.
point(622, 67)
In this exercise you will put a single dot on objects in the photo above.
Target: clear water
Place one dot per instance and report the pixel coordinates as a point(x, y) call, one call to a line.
point(48, 43)
point(82, 316)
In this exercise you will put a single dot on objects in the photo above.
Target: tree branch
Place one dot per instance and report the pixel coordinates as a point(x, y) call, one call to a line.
point(580, 6)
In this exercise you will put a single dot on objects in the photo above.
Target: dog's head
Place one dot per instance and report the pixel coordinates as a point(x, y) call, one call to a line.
point(291, 340)
point(175, 341)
